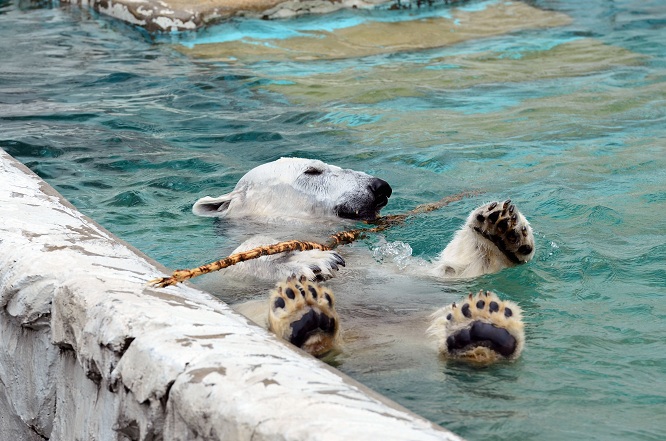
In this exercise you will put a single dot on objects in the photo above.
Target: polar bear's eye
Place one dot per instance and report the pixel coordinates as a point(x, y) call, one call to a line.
point(312, 171)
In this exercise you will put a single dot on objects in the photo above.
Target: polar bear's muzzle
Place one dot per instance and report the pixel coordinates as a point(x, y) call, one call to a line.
point(366, 207)
point(382, 192)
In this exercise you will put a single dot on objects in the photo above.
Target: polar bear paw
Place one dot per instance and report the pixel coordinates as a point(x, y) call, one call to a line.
point(507, 228)
point(481, 329)
point(313, 264)
point(303, 313)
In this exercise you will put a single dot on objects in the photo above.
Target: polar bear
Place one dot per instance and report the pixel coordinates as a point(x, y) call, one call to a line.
point(294, 198)
point(291, 197)
point(482, 329)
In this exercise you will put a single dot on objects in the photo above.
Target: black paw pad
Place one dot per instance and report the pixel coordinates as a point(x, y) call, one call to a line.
point(502, 226)
point(311, 323)
point(303, 327)
point(525, 249)
point(482, 334)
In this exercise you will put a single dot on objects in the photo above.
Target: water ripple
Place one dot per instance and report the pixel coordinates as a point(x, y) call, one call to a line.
point(567, 121)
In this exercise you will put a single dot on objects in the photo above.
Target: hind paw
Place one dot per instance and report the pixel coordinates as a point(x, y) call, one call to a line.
point(481, 328)
point(303, 313)
point(507, 228)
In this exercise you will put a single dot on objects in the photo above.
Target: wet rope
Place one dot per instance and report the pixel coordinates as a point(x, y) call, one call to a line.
point(335, 240)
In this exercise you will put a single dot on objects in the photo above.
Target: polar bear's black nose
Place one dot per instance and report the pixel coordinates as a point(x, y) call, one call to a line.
point(365, 202)
point(380, 187)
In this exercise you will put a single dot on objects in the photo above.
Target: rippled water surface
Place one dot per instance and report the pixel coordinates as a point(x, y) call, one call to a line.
point(567, 118)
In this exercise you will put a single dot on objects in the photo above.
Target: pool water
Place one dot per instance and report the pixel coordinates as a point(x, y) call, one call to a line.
point(567, 118)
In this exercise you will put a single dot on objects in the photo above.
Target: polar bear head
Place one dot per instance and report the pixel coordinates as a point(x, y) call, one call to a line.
point(300, 188)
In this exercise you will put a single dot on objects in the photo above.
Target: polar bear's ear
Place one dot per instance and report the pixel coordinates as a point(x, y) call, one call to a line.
point(213, 207)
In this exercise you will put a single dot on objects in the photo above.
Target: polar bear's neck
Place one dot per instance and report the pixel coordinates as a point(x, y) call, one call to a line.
point(469, 254)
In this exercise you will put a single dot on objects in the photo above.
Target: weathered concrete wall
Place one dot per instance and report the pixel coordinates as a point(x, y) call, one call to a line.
point(188, 15)
point(88, 351)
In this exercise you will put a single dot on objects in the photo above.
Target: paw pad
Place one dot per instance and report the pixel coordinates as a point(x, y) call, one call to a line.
point(503, 225)
point(481, 328)
point(302, 312)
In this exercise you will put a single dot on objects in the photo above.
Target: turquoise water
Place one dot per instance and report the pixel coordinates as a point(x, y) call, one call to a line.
point(132, 132)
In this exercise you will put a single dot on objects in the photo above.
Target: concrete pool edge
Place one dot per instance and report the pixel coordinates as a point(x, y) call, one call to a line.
point(182, 15)
point(87, 350)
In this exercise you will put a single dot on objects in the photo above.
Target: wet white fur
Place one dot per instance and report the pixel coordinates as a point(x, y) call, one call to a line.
point(282, 190)
point(281, 195)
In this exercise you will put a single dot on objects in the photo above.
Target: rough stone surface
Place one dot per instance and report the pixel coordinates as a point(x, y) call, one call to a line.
point(187, 15)
point(88, 351)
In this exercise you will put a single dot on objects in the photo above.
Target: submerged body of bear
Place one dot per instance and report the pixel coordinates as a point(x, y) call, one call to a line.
point(292, 197)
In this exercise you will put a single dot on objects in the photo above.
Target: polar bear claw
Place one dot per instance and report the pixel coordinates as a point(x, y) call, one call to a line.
point(313, 264)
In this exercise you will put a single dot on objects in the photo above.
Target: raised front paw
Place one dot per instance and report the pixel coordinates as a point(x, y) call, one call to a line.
point(303, 313)
point(502, 224)
point(482, 328)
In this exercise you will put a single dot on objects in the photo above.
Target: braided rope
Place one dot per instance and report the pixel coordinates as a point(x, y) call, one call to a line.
point(341, 238)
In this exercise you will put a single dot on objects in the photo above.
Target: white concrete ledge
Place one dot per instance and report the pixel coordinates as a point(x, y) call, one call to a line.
point(88, 351)
point(187, 15)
